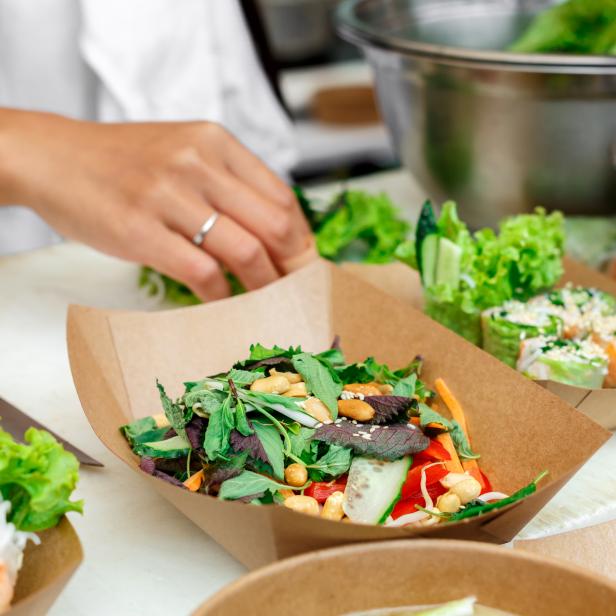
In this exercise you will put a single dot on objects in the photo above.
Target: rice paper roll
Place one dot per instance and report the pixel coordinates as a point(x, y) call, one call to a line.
point(577, 307)
point(581, 363)
point(506, 326)
point(604, 334)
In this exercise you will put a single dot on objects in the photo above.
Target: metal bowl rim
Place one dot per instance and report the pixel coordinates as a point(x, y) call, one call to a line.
point(355, 31)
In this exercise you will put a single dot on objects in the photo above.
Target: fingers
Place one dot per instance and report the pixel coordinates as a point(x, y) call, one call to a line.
point(240, 251)
point(178, 258)
point(251, 170)
point(283, 232)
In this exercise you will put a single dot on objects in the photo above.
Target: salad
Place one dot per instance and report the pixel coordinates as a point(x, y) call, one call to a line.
point(344, 441)
point(36, 482)
point(496, 290)
point(353, 226)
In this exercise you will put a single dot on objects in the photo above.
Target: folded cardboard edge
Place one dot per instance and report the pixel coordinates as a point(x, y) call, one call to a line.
point(91, 345)
point(46, 570)
point(402, 282)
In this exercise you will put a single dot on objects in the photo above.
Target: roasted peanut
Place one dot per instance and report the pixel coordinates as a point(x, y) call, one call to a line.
point(161, 420)
point(295, 475)
point(292, 377)
point(466, 490)
point(448, 503)
point(271, 385)
point(297, 390)
point(385, 388)
point(332, 509)
point(365, 389)
point(450, 480)
point(303, 504)
point(315, 408)
point(355, 409)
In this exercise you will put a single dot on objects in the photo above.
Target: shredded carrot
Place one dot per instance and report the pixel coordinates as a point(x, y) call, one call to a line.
point(286, 493)
point(453, 465)
point(457, 413)
point(193, 483)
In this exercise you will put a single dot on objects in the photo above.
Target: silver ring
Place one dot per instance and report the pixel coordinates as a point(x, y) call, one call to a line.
point(206, 227)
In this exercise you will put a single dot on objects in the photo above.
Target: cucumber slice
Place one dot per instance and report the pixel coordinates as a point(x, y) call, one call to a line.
point(373, 489)
point(429, 259)
point(448, 263)
point(174, 447)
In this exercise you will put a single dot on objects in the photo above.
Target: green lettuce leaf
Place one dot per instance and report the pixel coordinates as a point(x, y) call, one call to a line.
point(38, 479)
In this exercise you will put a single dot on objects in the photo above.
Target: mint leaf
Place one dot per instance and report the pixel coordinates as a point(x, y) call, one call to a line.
point(382, 442)
point(320, 381)
point(270, 439)
point(244, 377)
point(210, 400)
point(335, 462)
point(241, 421)
point(301, 442)
point(463, 447)
point(174, 413)
point(218, 431)
point(405, 386)
point(388, 408)
point(249, 483)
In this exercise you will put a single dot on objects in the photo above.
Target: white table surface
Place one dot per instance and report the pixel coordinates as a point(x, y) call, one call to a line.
point(142, 556)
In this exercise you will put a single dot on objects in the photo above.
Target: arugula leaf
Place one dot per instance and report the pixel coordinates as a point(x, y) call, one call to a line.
point(389, 408)
point(174, 413)
point(37, 478)
point(477, 507)
point(381, 442)
point(335, 462)
point(320, 381)
point(249, 483)
point(272, 444)
point(218, 430)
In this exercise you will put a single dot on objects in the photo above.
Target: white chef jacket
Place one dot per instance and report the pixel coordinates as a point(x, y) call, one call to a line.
point(135, 60)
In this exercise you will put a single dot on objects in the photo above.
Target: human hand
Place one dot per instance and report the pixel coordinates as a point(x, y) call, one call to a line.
point(142, 191)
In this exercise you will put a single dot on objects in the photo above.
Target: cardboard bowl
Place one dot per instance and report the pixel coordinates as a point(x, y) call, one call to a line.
point(519, 428)
point(403, 283)
point(402, 573)
point(46, 570)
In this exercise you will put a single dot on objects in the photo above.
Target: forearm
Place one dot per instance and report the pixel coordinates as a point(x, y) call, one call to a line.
point(23, 136)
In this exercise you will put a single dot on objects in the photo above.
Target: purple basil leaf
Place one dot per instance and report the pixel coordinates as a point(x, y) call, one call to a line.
point(382, 442)
point(250, 497)
point(195, 430)
point(147, 465)
point(282, 364)
point(169, 434)
point(388, 408)
point(250, 444)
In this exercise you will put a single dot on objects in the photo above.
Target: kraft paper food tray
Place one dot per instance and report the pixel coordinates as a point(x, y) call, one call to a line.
point(46, 570)
point(593, 548)
point(403, 573)
point(519, 428)
point(404, 283)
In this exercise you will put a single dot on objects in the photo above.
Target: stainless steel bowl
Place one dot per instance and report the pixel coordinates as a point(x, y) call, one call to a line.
point(497, 131)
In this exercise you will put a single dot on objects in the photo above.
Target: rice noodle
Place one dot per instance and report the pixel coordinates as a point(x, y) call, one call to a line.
point(493, 496)
point(409, 518)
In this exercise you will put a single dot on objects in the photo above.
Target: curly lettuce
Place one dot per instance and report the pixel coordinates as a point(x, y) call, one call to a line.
point(38, 478)
point(472, 272)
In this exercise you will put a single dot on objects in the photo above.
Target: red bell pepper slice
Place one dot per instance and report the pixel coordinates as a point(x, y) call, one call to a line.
point(407, 505)
point(434, 452)
point(412, 485)
point(321, 490)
